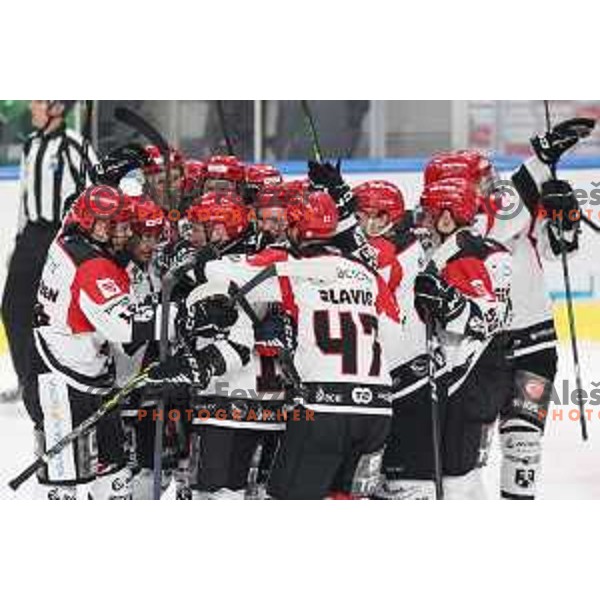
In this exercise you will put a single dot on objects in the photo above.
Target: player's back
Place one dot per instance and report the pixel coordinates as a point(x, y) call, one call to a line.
point(340, 355)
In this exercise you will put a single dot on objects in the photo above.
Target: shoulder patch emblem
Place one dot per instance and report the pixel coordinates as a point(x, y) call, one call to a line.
point(108, 288)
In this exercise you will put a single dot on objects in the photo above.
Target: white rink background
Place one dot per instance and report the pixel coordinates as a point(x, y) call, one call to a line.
point(571, 467)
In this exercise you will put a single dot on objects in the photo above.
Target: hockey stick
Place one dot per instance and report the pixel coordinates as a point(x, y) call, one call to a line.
point(86, 133)
point(569, 298)
point(139, 124)
point(436, 430)
point(224, 130)
point(285, 357)
point(81, 429)
point(312, 130)
point(593, 226)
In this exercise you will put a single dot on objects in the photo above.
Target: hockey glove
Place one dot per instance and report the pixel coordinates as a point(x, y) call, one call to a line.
point(180, 255)
point(327, 175)
point(207, 317)
point(559, 203)
point(118, 163)
point(552, 145)
point(274, 334)
point(180, 371)
point(435, 299)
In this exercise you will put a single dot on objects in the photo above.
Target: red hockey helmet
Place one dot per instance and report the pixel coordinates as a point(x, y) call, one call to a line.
point(194, 175)
point(297, 186)
point(317, 218)
point(148, 217)
point(297, 189)
point(458, 196)
point(280, 196)
point(100, 203)
point(221, 207)
point(272, 196)
point(157, 162)
point(225, 168)
point(261, 175)
point(380, 196)
point(464, 164)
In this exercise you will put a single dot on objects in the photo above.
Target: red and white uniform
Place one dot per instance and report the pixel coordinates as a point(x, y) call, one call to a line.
point(341, 309)
point(85, 303)
point(407, 352)
point(480, 270)
point(257, 380)
point(525, 235)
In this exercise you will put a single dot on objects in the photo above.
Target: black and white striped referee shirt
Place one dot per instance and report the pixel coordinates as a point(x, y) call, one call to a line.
point(50, 168)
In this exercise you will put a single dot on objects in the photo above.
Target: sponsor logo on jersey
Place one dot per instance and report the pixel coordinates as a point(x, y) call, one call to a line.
point(361, 297)
point(108, 288)
point(525, 478)
point(48, 293)
point(351, 273)
point(323, 397)
point(523, 447)
point(362, 395)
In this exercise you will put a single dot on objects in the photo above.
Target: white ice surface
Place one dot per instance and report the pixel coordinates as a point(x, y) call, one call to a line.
point(571, 468)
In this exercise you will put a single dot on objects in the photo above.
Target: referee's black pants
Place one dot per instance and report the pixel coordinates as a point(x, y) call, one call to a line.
point(20, 293)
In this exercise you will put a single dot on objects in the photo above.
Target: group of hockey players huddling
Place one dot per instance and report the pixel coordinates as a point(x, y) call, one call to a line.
point(319, 381)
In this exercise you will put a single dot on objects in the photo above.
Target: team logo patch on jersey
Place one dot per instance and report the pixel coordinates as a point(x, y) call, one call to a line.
point(108, 288)
point(362, 395)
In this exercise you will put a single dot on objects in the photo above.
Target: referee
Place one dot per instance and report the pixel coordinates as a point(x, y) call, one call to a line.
point(51, 175)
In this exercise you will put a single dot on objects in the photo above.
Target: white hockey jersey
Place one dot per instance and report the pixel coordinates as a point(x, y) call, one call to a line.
point(480, 270)
point(339, 306)
point(525, 234)
point(84, 304)
point(145, 289)
point(407, 346)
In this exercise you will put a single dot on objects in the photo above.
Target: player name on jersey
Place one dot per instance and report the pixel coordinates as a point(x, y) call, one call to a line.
point(362, 297)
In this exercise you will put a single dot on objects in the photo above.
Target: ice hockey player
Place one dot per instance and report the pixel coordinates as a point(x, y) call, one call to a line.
point(400, 257)
point(156, 177)
point(220, 452)
point(388, 226)
point(463, 293)
point(224, 173)
point(325, 444)
point(259, 176)
point(332, 446)
point(550, 206)
point(147, 226)
point(84, 305)
point(229, 445)
point(531, 234)
point(193, 182)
